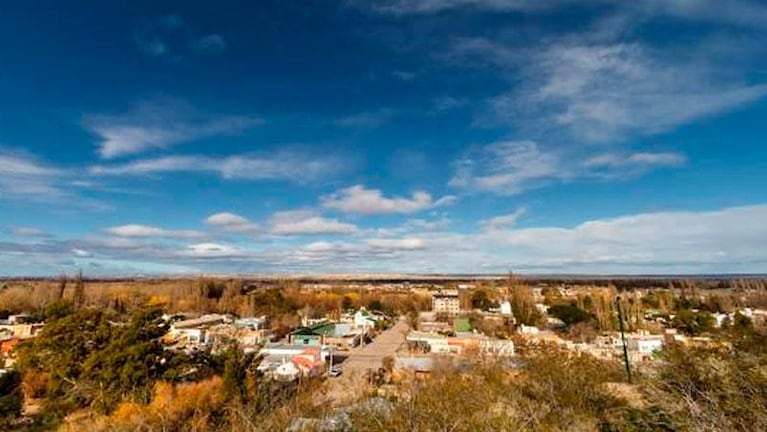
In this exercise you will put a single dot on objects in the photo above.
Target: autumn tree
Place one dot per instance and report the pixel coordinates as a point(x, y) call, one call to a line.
point(523, 304)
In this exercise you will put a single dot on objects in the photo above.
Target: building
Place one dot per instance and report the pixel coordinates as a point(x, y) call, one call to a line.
point(315, 334)
point(462, 343)
point(365, 320)
point(446, 301)
point(283, 362)
point(506, 308)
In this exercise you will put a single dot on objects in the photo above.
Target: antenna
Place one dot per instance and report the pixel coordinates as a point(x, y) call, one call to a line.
point(623, 339)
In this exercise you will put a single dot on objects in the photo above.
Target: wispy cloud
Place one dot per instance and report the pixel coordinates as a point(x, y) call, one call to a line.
point(161, 123)
point(369, 119)
point(512, 167)
point(403, 75)
point(23, 176)
point(170, 37)
point(735, 12)
point(210, 44)
point(636, 160)
point(298, 222)
point(603, 92)
point(136, 230)
point(27, 231)
point(285, 165)
point(406, 7)
point(503, 221)
point(157, 37)
point(358, 199)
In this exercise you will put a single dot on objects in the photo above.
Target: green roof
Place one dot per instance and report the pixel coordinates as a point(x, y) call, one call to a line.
point(324, 328)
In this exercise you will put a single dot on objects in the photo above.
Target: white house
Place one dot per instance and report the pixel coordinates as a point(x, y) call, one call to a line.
point(364, 319)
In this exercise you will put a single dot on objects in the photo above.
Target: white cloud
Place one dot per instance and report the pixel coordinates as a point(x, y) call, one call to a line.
point(503, 221)
point(212, 250)
point(713, 241)
point(307, 222)
point(408, 243)
point(136, 230)
point(512, 167)
point(158, 124)
point(655, 241)
point(358, 199)
point(81, 253)
point(232, 223)
point(283, 165)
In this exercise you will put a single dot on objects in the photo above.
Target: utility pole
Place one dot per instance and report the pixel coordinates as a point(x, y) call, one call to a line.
point(623, 339)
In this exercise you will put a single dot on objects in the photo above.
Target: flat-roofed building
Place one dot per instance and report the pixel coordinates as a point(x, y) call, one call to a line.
point(446, 301)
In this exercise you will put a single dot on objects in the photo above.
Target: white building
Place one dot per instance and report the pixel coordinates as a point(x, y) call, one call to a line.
point(446, 301)
point(506, 308)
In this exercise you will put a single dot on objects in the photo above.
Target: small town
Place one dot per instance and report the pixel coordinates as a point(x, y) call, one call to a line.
point(383, 216)
point(377, 337)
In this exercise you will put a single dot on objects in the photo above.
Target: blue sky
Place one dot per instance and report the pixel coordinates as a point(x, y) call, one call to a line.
point(458, 136)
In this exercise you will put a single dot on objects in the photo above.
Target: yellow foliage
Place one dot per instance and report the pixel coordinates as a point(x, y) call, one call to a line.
point(157, 300)
point(184, 407)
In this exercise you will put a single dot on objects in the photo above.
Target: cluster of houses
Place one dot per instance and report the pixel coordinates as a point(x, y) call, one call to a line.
point(13, 330)
point(309, 349)
point(216, 331)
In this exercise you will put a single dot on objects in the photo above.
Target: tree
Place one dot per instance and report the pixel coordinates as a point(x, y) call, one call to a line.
point(235, 373)
point(523, 305)
point(693, 323)
point(481, 300)
point(11, 398)
point(569, 313)
point(89, 361)
point(346, 303)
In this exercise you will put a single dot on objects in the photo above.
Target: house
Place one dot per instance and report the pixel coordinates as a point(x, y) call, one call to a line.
point(312, 335)
point(203, 321)
point(365, 320)
point(530, 330)
point(252, 323)
point(446, 301)
point(645, 345)
point(21, 330)
point(284, 362)
point(344, 336)
point(462, 343)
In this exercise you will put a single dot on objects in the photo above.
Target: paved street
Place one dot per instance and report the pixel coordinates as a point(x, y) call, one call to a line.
point(349, 385)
